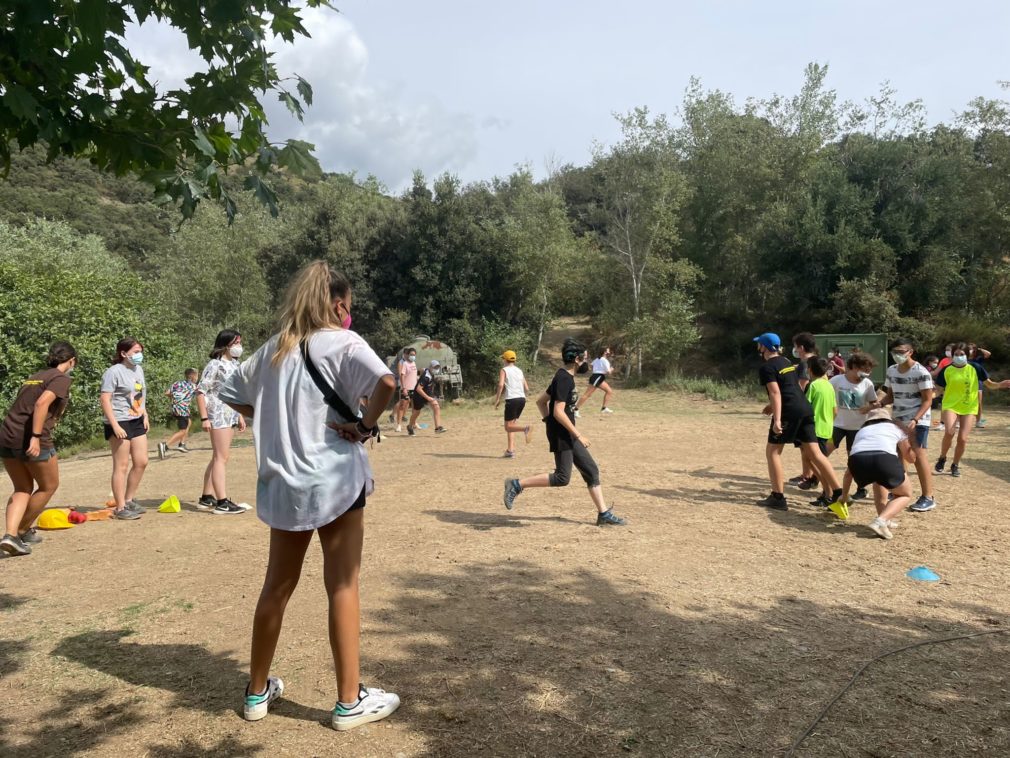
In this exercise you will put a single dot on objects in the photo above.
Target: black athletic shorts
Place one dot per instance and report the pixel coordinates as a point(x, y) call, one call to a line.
point(419, 402)
point(839, 434)
point(514, 408)
point(595, 380)
point(876, 468)
point(182, 422)
point(797, 430)
point(134, 428)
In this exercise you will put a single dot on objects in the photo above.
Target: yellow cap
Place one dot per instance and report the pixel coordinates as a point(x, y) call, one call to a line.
point(54, 518)
point(509, 355)
point(172, 505)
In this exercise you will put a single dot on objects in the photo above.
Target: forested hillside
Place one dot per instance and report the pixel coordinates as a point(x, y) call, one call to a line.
point(720, 220)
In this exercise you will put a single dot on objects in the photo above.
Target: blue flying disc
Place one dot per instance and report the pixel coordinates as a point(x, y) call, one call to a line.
point(922, 574)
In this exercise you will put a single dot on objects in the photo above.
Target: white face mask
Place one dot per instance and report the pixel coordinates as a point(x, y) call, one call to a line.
point(136, 359)
point(899, 358)
point(947, 353)
point(959, 360)
point(831, 353)
point(796, 352)
point(235, 351)
point(864, 375)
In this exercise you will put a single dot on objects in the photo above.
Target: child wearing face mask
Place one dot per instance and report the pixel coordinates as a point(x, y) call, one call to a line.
point(219, 420)
point(855, 396)
point(961, 381)
point(408, 382)
point(124, 404)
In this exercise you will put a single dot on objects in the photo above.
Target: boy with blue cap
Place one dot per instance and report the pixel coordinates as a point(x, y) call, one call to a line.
point(792, 422)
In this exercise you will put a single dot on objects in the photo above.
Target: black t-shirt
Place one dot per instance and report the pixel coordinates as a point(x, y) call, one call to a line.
point(561, 390)
point(428, 384)
point(781, 371)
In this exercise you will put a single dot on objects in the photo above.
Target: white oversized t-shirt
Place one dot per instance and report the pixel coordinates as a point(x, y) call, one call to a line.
point(849, 398)
point(601, 366)
point(308, 475)
point(881, 437)
point(515, 382)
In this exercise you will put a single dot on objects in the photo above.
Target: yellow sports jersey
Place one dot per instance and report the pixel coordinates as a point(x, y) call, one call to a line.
point(960, 393)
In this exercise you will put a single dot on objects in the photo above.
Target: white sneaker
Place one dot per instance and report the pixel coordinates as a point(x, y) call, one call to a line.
point(256, 706)
point(606, 410)
point(880, 528)
point(398, 428)
point(373, 705)
point(162, 451)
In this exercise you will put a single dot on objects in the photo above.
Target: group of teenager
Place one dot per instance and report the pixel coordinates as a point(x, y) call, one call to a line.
point(818, 402)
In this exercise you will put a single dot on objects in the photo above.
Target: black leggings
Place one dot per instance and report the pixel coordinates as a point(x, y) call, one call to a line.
point(583, 461)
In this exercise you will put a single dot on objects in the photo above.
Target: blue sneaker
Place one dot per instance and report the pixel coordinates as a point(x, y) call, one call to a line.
point(923, 504)
point(256, 706)
point(607, 518)
point(512, 490)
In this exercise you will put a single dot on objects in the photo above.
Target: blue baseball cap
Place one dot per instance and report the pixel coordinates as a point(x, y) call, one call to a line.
point(769, 340)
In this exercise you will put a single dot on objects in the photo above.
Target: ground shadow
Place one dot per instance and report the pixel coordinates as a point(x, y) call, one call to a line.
point(998, 469)
point(483, 522)
point(726, 494)
point(194, 677)
point(10, 602)
point(463, 455)
point(12, 653)
point(722, 476)
point(517, 660)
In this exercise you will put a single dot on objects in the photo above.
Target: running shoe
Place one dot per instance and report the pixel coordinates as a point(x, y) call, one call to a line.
point(206, 503)
point(606, 410)
point(181, 447)
point(940, 427)
point(372, 704)
point(30, 536)
point(607, 518)
point(392, 418)
point(880, 528)
point(226, 507)
point(939, 465)
point(410, 430)
point(162, 451)
point(399, 428)
point(256, 706)
point(440, 430)
point(980, 424)
point(126, 515)
point(243, 506)
point(133, 505)
point(923, 504)
point(13, 545)
point(509, 454)
point(797, 479)
point(955, 469)
point(821, 502)
point(528, 432)
point(807, 483)
point(775, 502)
point(860, 494)
point(512, 490)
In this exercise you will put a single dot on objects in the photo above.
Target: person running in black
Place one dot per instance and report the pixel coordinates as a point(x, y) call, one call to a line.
point(792, 422)
point(557, 407)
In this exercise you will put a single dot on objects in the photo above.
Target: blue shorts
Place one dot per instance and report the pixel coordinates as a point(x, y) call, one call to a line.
point(43, 456)
point(922, 436)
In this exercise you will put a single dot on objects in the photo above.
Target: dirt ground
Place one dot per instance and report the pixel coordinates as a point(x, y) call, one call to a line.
point(707, 627)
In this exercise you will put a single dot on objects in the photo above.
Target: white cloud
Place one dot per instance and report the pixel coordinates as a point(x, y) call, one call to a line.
point(356, 123)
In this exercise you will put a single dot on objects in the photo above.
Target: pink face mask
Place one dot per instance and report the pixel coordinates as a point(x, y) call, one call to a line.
point(346, 323)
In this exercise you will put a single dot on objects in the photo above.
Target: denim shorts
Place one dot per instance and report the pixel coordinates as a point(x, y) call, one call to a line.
point(44, 455)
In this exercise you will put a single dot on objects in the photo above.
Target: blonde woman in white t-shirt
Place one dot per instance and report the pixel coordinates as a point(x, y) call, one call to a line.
point(512, 384)
point(313, 476)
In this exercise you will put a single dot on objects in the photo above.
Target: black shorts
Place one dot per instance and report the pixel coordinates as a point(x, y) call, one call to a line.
point(134, 428)
point(182, 422)
point(406, 395)
point(595, 380)
point(876, 468)
point(419, 402)
point(839, 434)
point(796, 430)
point(514, 408)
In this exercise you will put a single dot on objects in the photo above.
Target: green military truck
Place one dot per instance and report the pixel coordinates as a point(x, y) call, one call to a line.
point(450, 377)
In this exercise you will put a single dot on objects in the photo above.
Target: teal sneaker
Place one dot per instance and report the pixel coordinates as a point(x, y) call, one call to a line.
point(607, 518)
point(256, 706)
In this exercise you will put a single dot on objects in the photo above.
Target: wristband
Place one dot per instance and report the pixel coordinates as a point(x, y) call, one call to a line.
point(204, 419)
point(366, 431)
point(39, 435)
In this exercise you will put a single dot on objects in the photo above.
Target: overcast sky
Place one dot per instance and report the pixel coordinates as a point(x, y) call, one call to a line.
point(476, 88)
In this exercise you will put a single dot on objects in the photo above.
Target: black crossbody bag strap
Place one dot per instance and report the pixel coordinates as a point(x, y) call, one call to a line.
point(329, 394)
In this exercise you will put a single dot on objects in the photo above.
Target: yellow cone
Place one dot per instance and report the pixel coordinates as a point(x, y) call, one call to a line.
point(840, 509)
point(171, 505)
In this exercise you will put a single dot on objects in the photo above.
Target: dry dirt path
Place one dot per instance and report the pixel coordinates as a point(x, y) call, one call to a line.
point(707, 627)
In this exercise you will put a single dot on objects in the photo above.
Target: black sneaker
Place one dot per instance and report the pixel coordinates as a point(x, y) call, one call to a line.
point(821, 502)
point(796, 479)
point(860, 494)
point(607, 518)
point(206, 503)
point(939, 465)
point(955, 469)
point(226, 507)
point(440, 430)
point(808, 484)
point(774, 501)
point(512, 490)
point(410, 430)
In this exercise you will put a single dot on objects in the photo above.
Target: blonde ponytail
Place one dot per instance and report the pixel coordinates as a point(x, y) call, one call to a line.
point(308, 305)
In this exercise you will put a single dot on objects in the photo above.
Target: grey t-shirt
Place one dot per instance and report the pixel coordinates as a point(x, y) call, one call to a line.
point(126, 385)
